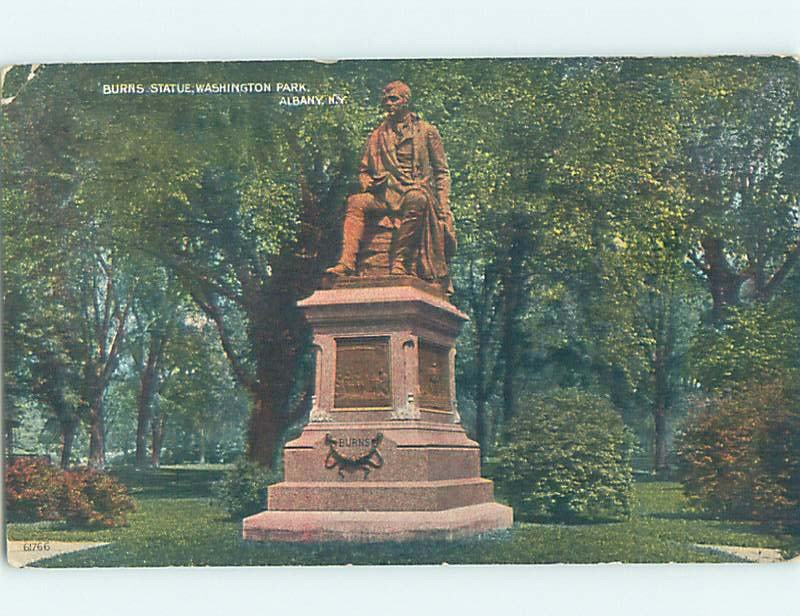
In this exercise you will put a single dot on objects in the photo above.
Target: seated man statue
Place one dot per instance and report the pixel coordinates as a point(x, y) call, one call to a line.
point(405, 187)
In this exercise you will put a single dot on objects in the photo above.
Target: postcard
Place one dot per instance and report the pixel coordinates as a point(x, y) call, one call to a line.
point(487, 311)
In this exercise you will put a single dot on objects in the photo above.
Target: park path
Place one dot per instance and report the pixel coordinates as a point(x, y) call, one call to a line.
point(753, 555)
point(23, 553)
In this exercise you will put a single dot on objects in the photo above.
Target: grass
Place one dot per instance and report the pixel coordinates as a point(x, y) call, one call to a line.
point(176, 524)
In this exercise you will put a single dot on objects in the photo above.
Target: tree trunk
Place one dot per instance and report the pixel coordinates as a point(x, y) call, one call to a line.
point(508, 356)
point(664, 333)
point(266, 426)
point(202, 437)
point(159, 425)
point(142, 429)
point(723, 282)
point(480, 294)
point(280, 337)
point(68, 429)
point(660, 457)
point(97, 435)
point(513, 303)
point(147, 393)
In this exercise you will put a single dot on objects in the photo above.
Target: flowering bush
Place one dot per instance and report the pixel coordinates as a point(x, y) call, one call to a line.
point(91, 498)
point(740, 453)
point(35, 490)
point(568, 457)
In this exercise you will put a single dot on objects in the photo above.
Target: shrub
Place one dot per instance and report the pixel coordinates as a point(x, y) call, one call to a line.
point(568, 457)
point(91, 498)
point(35, 490)
point(740, 453)
point(243, 489)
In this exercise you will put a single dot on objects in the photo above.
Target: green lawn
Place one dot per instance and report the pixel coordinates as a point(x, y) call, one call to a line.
point(176, 524)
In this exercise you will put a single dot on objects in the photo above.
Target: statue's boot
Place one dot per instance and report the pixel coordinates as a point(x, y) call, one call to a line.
point(353, 230)
point(340, 269)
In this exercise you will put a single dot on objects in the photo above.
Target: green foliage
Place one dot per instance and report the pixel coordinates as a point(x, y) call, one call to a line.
point(740, 166)
point(35, 490)
point(568, 457)
point(243, 489)
point(740, 453)
point(758, 342)
point(204, 407)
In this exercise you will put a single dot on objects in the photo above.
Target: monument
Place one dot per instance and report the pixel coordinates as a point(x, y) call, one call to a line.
point(384, 456)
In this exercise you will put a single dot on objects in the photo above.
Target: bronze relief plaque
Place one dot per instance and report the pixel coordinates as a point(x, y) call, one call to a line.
point(434, 376)
point(362, 374)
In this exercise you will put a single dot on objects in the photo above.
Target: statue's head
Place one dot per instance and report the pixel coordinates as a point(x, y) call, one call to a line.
point(396, 98)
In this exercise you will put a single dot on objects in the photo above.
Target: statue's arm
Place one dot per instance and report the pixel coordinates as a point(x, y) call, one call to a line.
point(441, 172)
point(364, 176)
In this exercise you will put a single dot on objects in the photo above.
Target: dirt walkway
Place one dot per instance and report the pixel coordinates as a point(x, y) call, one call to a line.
point(23, 553)
point(753, 555)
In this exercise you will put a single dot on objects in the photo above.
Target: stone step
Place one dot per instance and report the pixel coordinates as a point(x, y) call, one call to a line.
point(374, 526)
point(379, 496)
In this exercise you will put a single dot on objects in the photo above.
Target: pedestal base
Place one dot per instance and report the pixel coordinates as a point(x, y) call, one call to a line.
point(384, 456)
point(374, 526)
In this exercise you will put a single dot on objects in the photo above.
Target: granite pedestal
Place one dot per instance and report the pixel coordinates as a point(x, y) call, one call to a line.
point(384, 456)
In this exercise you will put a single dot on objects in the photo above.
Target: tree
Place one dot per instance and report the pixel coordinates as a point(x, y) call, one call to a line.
point(159, 312)
point(64, 243)
point(582, 196)
point(200, 398)
point(740, 128)
point(241, 202)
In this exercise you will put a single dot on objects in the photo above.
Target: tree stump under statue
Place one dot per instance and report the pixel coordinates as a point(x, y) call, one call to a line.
point(384, 456)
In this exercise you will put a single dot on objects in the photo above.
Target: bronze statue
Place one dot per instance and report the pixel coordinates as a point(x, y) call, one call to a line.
point(400, 223)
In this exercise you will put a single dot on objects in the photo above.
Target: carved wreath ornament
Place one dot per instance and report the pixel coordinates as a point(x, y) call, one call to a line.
point(360, 462)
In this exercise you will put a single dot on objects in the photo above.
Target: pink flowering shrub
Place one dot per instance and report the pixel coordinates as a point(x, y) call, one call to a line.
point(36, 490)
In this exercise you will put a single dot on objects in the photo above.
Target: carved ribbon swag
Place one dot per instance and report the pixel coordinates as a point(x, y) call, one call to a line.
point(364, 462)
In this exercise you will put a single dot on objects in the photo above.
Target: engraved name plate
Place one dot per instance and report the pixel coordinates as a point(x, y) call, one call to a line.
point(434, 376)
point(362, 374)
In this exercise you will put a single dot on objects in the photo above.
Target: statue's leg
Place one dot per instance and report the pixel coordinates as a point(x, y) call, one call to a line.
point(357, 207)
point(413, 207)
